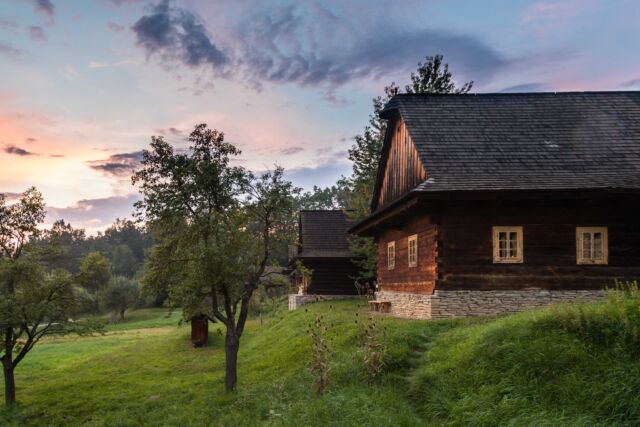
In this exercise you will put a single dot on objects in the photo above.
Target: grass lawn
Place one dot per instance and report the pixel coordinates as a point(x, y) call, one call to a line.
point(562, 366)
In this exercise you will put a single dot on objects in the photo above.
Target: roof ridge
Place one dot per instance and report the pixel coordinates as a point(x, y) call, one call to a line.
point(481, 94)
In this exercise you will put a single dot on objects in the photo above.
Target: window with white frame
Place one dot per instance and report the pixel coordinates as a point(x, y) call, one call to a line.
point(507, 245)
point(592, 245)
point(391, 255)
point(412, 245)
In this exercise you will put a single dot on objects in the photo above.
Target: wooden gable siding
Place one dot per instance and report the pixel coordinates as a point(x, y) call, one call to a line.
point(403, 170)
point(419, 279)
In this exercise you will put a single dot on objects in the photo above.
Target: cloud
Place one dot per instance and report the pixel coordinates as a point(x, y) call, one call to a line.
point(322, 175)
point(289, 151)
point(36, 33)
point(8, 25)
point(176, 34)
point(307, 45)
point(555, 10)
point(69, 72)
point(17, 151)
point(30, 140)
point(630, 84)
point(97, 64)
point(118, 165)
point(94, 214)
point(526, 87)
point(116, 28)
point(45, 7)
point(10, 51)
point(10, 197)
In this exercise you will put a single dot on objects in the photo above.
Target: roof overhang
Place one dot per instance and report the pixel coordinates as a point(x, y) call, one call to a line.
point(395, 213)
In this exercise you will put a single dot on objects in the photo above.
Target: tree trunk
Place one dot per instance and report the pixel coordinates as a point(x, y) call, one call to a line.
point(122, 314)
point(232, 345)
point(9, 385)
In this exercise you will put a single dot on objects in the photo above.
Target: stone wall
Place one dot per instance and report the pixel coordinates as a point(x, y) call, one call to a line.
point(297, 300)
point(465, 303)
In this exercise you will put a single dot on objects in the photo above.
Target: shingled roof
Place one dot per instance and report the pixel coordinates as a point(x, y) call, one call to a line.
point(323, 234)
point(524, 141)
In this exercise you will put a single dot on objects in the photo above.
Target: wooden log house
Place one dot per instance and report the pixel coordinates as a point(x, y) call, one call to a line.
point(323, 248)
point(494, 203)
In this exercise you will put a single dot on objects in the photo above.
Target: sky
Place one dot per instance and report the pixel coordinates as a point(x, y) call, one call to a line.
point(86, 83)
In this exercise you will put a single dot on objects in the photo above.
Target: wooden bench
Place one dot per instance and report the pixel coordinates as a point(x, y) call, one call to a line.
point(380, 306)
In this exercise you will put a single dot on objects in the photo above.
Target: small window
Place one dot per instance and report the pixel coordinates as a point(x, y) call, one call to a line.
point(592, 245)
point(413, 250)
point(507, 245)
point(391, 255)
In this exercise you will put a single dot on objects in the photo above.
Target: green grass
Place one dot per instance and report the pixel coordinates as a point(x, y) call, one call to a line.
point(559, 366)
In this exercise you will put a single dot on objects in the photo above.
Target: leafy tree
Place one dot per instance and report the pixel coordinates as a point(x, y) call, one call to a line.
point(434, 77)
point(121, 293)
point(33, 302)
point(328, 198)
point(431, 77)
point(125, 232)
point(95, 272)
point(123, 261)
point(65, 244)
point(219, 226)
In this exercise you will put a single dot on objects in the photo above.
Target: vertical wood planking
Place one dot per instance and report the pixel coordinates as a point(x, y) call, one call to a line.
point(404, 170)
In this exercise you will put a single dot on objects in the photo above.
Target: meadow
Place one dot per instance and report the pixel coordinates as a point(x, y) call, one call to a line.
point(564, 365)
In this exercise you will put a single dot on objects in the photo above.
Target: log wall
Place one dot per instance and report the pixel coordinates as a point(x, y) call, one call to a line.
point(419, 279)
point(549, 240)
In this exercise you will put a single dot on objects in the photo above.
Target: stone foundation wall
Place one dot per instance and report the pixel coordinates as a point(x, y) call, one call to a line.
point(466, 303)
point(296, 300)
point(404, 304)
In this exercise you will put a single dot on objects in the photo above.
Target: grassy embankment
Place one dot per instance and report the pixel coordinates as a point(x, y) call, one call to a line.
point(566, 365)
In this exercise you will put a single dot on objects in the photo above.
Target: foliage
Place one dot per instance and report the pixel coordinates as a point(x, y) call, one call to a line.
point(328, 198)
point(434, 77)
point(121, 293)
point(431, 77)
point(217, 225)
point(123, 243)
point(33, 302)
point(95, 272)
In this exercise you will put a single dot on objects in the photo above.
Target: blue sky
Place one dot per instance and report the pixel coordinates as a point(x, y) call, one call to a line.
point(87, 82)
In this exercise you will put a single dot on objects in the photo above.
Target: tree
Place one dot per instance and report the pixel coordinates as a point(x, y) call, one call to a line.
point(121, 293)
point(431, 77)
point(219, 225)
point(33, 302)
point(95, 272)
point(333, 197)
point(434, 77)
point(123, 261)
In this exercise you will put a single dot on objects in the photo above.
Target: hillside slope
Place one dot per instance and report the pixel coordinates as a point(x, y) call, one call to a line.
point(559, 366)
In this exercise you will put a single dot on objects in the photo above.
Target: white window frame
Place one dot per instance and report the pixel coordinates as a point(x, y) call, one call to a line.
point(412, 257)
point(391, 255)
point(519, 257)
point(580, 258)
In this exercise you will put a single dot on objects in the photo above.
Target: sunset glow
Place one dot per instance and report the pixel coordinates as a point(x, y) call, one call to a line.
point(85, 84)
